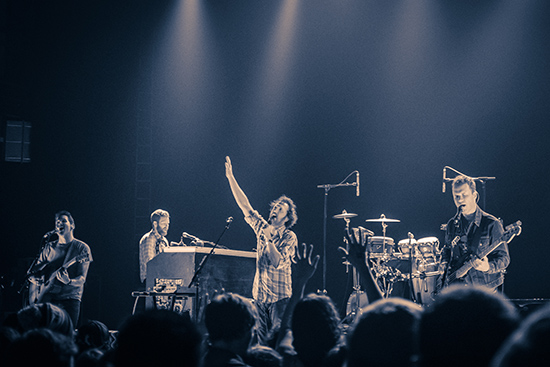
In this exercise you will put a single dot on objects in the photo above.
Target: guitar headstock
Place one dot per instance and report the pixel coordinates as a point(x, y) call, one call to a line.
point(512, 230)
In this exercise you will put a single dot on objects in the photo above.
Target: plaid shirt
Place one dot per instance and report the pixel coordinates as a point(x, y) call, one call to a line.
point(148, 250)
point(271, 283)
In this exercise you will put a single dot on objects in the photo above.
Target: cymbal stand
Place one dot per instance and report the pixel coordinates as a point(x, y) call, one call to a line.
point(412, 256)
point(385, 286)
point(356, 281)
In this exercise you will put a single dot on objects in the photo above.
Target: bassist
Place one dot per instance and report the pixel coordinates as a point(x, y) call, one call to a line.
point(59, 274)
point(476, 231)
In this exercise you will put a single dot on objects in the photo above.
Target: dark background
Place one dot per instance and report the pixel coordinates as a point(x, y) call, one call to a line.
point(299, 94)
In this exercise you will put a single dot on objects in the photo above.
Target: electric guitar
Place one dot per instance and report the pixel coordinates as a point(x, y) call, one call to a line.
point(39, 287)
point(510, 232)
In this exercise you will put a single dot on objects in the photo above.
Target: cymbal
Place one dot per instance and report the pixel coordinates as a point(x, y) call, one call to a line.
point(344, 216)
point(383, 219)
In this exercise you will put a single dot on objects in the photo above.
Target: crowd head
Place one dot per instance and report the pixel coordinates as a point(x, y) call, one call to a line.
point(464, 326)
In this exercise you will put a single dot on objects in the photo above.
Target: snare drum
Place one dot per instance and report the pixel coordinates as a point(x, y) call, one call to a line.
point(378, 246)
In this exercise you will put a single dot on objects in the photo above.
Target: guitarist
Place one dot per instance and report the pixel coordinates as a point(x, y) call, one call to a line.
point(476, 230)
point(50, 281)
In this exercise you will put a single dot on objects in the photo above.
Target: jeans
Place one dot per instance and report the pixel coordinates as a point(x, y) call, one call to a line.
point(72, 307)
point(270, 315)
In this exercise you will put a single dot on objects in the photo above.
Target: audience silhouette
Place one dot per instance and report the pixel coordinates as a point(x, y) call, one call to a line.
point(158, 338)
point(464, 327)
point(529, 345)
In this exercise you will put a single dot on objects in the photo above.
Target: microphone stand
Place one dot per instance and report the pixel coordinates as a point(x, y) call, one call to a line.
point(327, 188)
point(203, 261)
point(483, 180)
point(31, 271)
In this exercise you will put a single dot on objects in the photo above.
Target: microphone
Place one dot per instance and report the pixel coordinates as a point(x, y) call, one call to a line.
point(357, 186)
point(444, 177)
point(189, 236)
point(48, 234)
point(228, 222)
point(457, 219)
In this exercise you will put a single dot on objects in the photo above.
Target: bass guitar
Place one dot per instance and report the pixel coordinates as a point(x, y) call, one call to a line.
point(39, 286)
point(510, 232)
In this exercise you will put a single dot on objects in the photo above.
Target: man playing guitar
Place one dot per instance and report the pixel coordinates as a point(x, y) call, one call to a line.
point(60, 271)
point(467, 234)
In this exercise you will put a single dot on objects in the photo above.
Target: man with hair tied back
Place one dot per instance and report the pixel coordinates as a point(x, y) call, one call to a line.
point(275, 243)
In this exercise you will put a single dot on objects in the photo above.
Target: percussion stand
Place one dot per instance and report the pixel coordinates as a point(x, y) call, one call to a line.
point(386, 287)
point(356, 281)
point(412, 253)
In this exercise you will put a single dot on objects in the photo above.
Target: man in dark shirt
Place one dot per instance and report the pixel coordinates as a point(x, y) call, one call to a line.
point(473, 230)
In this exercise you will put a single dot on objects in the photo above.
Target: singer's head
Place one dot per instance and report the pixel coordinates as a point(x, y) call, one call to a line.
point(160, 221)
point(64, 222)
point(465, 195)
point(283, 212)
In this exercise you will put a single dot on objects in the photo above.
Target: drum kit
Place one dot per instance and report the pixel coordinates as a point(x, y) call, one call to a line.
point(413, 262)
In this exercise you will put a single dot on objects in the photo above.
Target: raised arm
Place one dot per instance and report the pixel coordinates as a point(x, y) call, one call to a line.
point(356, 256)
point(304, 267)
point(238, 193)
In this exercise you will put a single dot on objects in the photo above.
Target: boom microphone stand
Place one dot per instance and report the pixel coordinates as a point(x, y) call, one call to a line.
point(482, 180)
point(203, 261)
point(327, 188)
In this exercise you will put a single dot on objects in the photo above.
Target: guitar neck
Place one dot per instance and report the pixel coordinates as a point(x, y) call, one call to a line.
point(511, 231)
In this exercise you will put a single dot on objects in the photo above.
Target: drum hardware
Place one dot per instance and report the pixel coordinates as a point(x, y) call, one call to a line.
point(425, 262)
point(357, 297)
point(383, 220)
point(385, 286)
point(344, 215)
point(327, 188)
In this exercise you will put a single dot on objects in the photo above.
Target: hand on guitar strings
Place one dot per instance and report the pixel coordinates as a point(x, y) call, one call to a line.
point(63, 276)
point(482, 264)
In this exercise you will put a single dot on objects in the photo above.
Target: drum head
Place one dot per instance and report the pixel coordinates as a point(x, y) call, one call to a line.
point(428, 245)
point(404, 246)
point(380, 246)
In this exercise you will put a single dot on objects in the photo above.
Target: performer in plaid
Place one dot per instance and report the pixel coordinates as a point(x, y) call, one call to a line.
point(153, 242)
point(275, 248)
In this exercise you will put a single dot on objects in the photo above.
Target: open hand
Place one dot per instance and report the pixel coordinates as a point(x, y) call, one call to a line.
point(228, 167)
point(356, 251)
point(305, 266)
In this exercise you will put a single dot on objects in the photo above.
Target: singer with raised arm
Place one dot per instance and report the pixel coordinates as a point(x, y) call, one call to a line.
point(59, 273)
point(275, 243)
point(153, 242)
point(467, 234)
